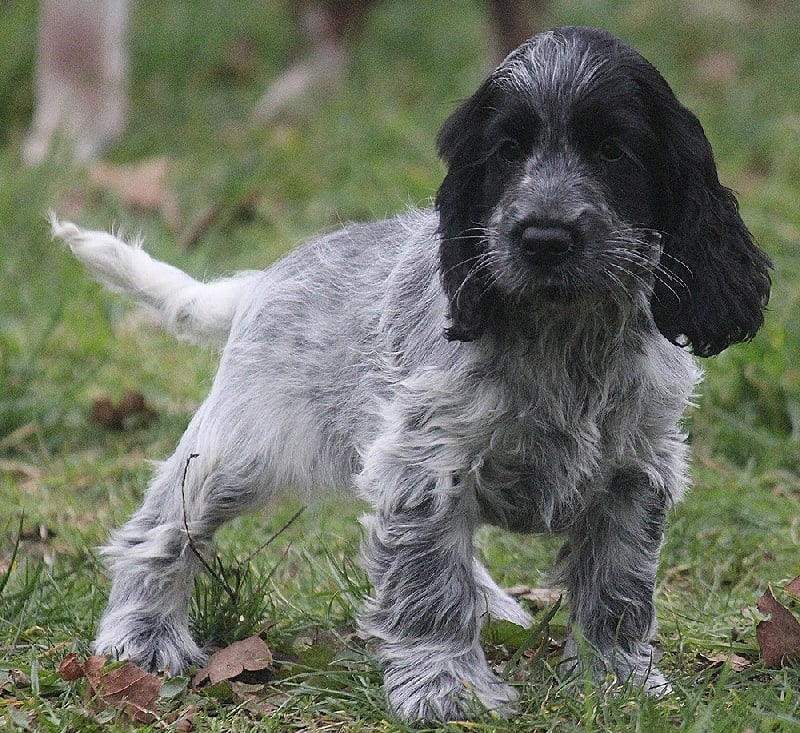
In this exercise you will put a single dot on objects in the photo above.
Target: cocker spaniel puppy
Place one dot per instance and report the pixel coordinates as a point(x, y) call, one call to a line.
point(520, 355)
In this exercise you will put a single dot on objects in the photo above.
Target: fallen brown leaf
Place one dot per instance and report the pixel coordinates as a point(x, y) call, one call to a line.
point(778, 636)
point(94, 666)
point(141, 186)
point(538, 597)
point(248, 655)
point(131, 689)
point(736, 662)
point(131, 411)
point(126, 687)
point(793, 589)
point(185, 721)
point(105, 414)
point(70, 668)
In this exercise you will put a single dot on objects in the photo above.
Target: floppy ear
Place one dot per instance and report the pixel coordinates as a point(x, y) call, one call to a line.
point(462, 211)
point(714, 281)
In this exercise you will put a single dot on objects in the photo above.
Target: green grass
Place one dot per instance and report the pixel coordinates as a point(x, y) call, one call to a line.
point(355, 155)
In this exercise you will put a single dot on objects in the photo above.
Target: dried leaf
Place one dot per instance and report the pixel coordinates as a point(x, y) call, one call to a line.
point(793, 589)
point(736, 662)
point(131, 411)
point(249, 655)
point(126, 687)
point(70, 668)
point(779, 636)
point(185, 722)
point(131, 689)
point(94, 665)
point(538, 597)
point(105, 414)
point(141, 186)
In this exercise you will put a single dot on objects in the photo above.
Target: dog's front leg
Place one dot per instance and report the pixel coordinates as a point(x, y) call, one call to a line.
point(426, 604)
point(609, 568)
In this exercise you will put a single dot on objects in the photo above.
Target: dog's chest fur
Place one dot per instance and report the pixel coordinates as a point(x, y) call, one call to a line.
point(558, 426)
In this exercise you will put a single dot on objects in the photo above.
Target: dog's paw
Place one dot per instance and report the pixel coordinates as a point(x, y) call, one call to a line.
point(619, 667)
point(655, 684)
point(640, 670)
point(456, 689)
point(154, 644)
point(500, 606)
point(497, 603)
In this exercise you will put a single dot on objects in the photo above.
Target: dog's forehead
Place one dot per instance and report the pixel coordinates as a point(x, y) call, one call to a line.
point(558, 67)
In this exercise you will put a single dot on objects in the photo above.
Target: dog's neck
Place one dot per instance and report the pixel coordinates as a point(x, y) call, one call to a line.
point(589, 332)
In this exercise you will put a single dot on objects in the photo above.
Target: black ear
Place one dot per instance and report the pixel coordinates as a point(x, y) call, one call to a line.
point(714, 281)
point(462, 208)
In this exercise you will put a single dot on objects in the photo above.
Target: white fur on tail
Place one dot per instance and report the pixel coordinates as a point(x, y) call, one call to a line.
point(189, 308)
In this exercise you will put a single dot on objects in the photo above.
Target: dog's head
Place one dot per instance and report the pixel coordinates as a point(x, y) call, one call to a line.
point(574, 171)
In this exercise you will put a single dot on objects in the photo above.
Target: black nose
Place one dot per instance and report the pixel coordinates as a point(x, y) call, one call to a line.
point(546, 244)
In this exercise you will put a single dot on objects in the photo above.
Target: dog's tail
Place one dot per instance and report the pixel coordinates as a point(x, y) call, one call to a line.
point(190, 309)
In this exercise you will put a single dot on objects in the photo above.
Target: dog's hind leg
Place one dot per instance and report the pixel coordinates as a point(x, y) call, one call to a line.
point(495, 602)
point(211, 478)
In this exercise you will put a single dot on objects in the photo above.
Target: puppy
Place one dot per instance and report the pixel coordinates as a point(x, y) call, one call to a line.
point(520, 355)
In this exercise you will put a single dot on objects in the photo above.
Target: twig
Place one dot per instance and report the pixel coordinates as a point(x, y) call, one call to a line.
point(16, 437)
point(220, 577)
point(277, 534)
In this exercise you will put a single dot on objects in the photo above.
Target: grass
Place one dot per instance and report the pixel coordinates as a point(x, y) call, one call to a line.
point(64, 480)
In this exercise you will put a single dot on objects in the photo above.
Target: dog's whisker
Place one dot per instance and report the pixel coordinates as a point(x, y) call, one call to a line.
point(678, 261)
point(624, 288)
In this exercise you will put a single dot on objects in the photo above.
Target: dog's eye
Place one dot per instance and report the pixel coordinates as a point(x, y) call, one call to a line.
point(611, 151)
point(509, 150)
